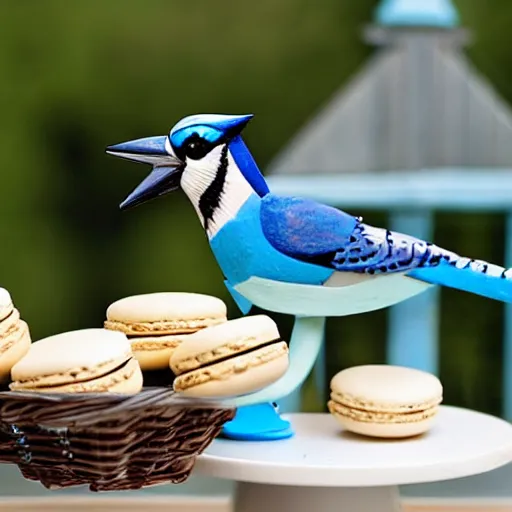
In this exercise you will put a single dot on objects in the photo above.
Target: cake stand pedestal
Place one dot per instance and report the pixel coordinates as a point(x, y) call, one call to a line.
point(325, 469)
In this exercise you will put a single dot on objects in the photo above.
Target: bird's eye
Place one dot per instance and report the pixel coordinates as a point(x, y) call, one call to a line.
point(196, 147)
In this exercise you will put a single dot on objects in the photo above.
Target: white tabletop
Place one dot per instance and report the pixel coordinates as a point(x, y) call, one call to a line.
point(461, 443)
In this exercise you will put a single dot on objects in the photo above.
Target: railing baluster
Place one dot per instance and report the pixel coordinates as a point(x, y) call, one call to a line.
point(507, 334)
point(320, 374)
point(413, 324)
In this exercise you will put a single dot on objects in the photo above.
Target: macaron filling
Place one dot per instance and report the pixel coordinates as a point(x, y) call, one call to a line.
point(216, 368)
point(13, 336)
point(368, 416)
point(361, 404)
point(161, 328)
point(9, 323)
point(155, 342)
point(236, 364)
point(115, 381)
point(77, 376)
point(234, 358)
point(221, 354)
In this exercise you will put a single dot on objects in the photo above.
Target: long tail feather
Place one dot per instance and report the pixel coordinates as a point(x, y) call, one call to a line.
point(479, 277)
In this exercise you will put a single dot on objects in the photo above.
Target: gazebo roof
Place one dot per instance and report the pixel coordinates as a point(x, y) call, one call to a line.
point(417, 104)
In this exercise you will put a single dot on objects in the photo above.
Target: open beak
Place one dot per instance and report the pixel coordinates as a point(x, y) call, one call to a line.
point(167, 168)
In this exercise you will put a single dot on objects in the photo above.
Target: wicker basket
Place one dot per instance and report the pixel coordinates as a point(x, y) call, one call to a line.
point(109, 442)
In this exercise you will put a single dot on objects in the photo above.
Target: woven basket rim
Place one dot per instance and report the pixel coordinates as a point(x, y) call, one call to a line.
point(110, 405)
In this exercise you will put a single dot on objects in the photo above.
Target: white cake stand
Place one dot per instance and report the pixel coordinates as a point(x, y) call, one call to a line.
point(323, 469)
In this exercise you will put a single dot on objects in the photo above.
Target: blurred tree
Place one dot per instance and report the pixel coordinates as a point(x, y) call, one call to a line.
point(78, 76)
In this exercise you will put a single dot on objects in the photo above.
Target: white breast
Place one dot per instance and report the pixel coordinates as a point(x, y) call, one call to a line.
point(198, 176)
point(236, 192)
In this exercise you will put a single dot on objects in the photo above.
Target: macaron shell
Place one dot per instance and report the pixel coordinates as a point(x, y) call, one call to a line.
point(154, 352)
point(386, 388)
point(237, 376)
point(226, 339)
point(66, 357)
point(385, 430)
point(6, 305)
point(13, 348)
point(166, 306)
point(153, 359)
point(126, 380)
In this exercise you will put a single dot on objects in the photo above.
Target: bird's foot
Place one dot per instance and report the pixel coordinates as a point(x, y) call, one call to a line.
point(260, 422)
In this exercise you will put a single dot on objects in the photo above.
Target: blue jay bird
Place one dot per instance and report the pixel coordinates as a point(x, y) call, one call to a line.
point(289, 254)
point(285, 254)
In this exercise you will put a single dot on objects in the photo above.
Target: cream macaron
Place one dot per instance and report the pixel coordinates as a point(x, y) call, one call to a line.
point(234, 358)
point(14, 336)
point(385, 401)
point(83, 361)
point(157, 323)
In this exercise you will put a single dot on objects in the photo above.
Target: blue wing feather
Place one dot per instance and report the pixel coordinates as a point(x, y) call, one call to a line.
point(309, 231)
point(329, 237)
point(302, 228)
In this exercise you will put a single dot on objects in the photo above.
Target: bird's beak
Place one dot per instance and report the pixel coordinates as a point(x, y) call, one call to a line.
point(150, 150)
point(165, 176)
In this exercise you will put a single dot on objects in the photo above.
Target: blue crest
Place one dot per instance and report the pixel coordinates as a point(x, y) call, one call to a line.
point(210, 127)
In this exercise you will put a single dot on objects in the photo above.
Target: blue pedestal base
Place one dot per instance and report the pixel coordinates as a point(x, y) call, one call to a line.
point(259, 422)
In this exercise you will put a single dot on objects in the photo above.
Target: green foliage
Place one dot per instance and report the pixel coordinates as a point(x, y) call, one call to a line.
point(77, 76)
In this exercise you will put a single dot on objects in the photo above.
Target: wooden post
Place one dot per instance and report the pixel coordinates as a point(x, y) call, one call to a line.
point(413, 324)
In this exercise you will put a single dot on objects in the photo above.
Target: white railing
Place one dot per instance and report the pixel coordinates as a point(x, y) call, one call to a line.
point(410, 198)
